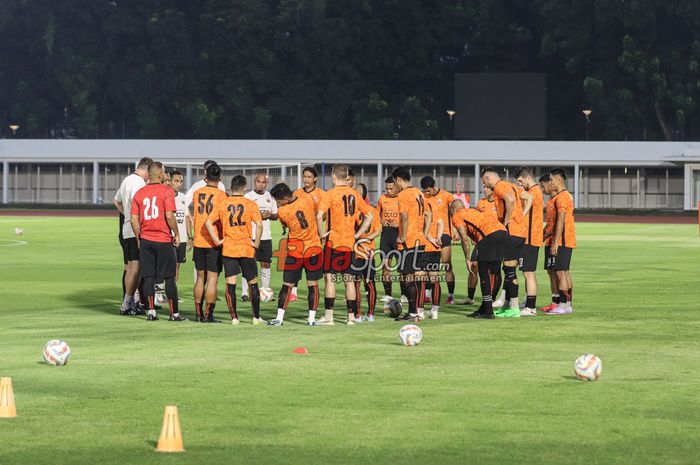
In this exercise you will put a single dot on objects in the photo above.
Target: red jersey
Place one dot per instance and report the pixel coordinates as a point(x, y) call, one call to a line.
point(150, 203)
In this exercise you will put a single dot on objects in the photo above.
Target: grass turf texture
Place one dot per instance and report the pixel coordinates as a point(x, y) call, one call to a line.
point(473, 392)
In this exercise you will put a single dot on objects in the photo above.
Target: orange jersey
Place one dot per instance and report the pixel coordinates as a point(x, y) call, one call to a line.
point(484, 205)
point(389, 210)
point(204, 202)
point(343, 206)
point(534, 218)
point(316, 195)
point(412, 202)
point(364, 249)
point(564, 204)
point(237, 215)
point(299, 216)
point(478, 224)
point(441, 209)
point(516, 226)
point(550, 220)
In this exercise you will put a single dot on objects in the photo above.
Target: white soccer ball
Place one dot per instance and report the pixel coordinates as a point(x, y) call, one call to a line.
point(410, 335)
point(588, 367)
point(266, 294)
point(56, 352)
point(19, 231)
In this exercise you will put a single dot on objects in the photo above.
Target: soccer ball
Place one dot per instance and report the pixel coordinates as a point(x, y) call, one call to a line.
point(56, 352)
point(393, 308)
point(266, 294)
point(410, 335)
point(19, 231)
point(588, 367)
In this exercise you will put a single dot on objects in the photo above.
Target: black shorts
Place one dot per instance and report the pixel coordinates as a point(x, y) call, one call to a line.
point(157, 259)
point(246, 266)
point(181, 252)
point(528, 257)
point(387, 241)
point(562, 260)
point(429, 261)
point(293, 266)
point(512, 248)
point(207, 259)
point(130, 250)
point(410, 260)
point(475, 253)
point(446, 240)
point(364, 269)
point(492, 247)
point(264, 252)
point(337, 261)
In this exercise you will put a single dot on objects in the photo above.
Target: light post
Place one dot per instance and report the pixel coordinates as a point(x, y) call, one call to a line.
point(587, 113)
point(451, 114)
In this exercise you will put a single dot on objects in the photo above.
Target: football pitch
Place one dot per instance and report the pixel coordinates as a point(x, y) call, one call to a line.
point(473, 391)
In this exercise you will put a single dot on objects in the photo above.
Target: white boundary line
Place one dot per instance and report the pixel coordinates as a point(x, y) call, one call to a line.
point(15, 243)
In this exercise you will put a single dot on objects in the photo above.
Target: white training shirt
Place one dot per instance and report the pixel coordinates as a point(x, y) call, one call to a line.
point(127, 190)
point(198, 185)
point(265, 204)
point(180, 214)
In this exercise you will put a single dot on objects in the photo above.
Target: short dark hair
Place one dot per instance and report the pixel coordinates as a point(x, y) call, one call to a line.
point(144, 163)
point(175, 173)
point(427, 182)
point(558, 172)
point(545, 178)
point(213, 172)
point(363, 190)
point(401, 173)
point(208, 163)
point(238, 182)
point(351, 172)
point(524, 171)
point(489, 169)
point(389, 180)
point(280, 191)
point(312, 170)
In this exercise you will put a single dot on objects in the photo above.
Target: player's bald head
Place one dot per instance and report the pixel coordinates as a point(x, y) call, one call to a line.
point(155, 171)
point(456, 206)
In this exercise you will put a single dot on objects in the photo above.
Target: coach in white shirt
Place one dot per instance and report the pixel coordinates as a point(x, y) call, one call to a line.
point(268, 211)
point(122, 200)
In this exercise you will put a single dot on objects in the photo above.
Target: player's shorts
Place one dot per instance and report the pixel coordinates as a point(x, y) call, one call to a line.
point(207, 259)
point(364, 269)
point(248, 267)
point(548, 259)
point(429, 261)
point(528, 257)
point(157, 260)
point(446, 240)
point(293, 266)
point(337, 261)
point(475, 253)
point(387, 241)
point(492, 247)
point(181, 252)
point(410, 260)
point(130, 250)
point(512, 249)
point(264, 252)
point(562, 260)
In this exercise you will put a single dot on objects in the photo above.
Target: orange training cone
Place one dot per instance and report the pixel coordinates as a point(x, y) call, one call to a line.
point(7, 399)
point(170, 436)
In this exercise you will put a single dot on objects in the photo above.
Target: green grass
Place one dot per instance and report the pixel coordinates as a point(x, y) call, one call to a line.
point(472, 392)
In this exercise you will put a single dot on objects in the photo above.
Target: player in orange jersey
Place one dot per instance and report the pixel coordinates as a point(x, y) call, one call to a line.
point(388, 210)
point(550, 219)
point(484, 205)
point(340, 209)
point(563, 240)
point(303, 249)
point(237, 215)
point(364, 251)
point(531, 249)
point(490, 235)
point(206, 254)
point(414, 223)
point(431, 257)
point(510, 204)
point(441, 212)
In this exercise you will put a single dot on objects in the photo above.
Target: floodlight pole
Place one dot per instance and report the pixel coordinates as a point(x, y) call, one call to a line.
point(576, 182)
point(188, 175)
point(477, 176)
point(95, 181)
point(380, 181)
point(6, 182)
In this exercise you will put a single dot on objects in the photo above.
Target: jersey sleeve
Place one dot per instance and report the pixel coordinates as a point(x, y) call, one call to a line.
point(364, 208)
point(135, 206)
point(563, 203)
point(403, 204)
point(170, 201)
point(255, 215)
point(118, 196)
point(500, 190)
point(325, 203)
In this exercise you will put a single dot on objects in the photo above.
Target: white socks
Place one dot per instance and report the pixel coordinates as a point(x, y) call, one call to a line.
point(312, 315)
point(264, 277)
point(244, 287)
point(294, 291)
point(280, 314)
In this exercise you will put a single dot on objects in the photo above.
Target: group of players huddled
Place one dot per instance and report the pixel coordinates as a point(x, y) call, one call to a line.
point(331, 236)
